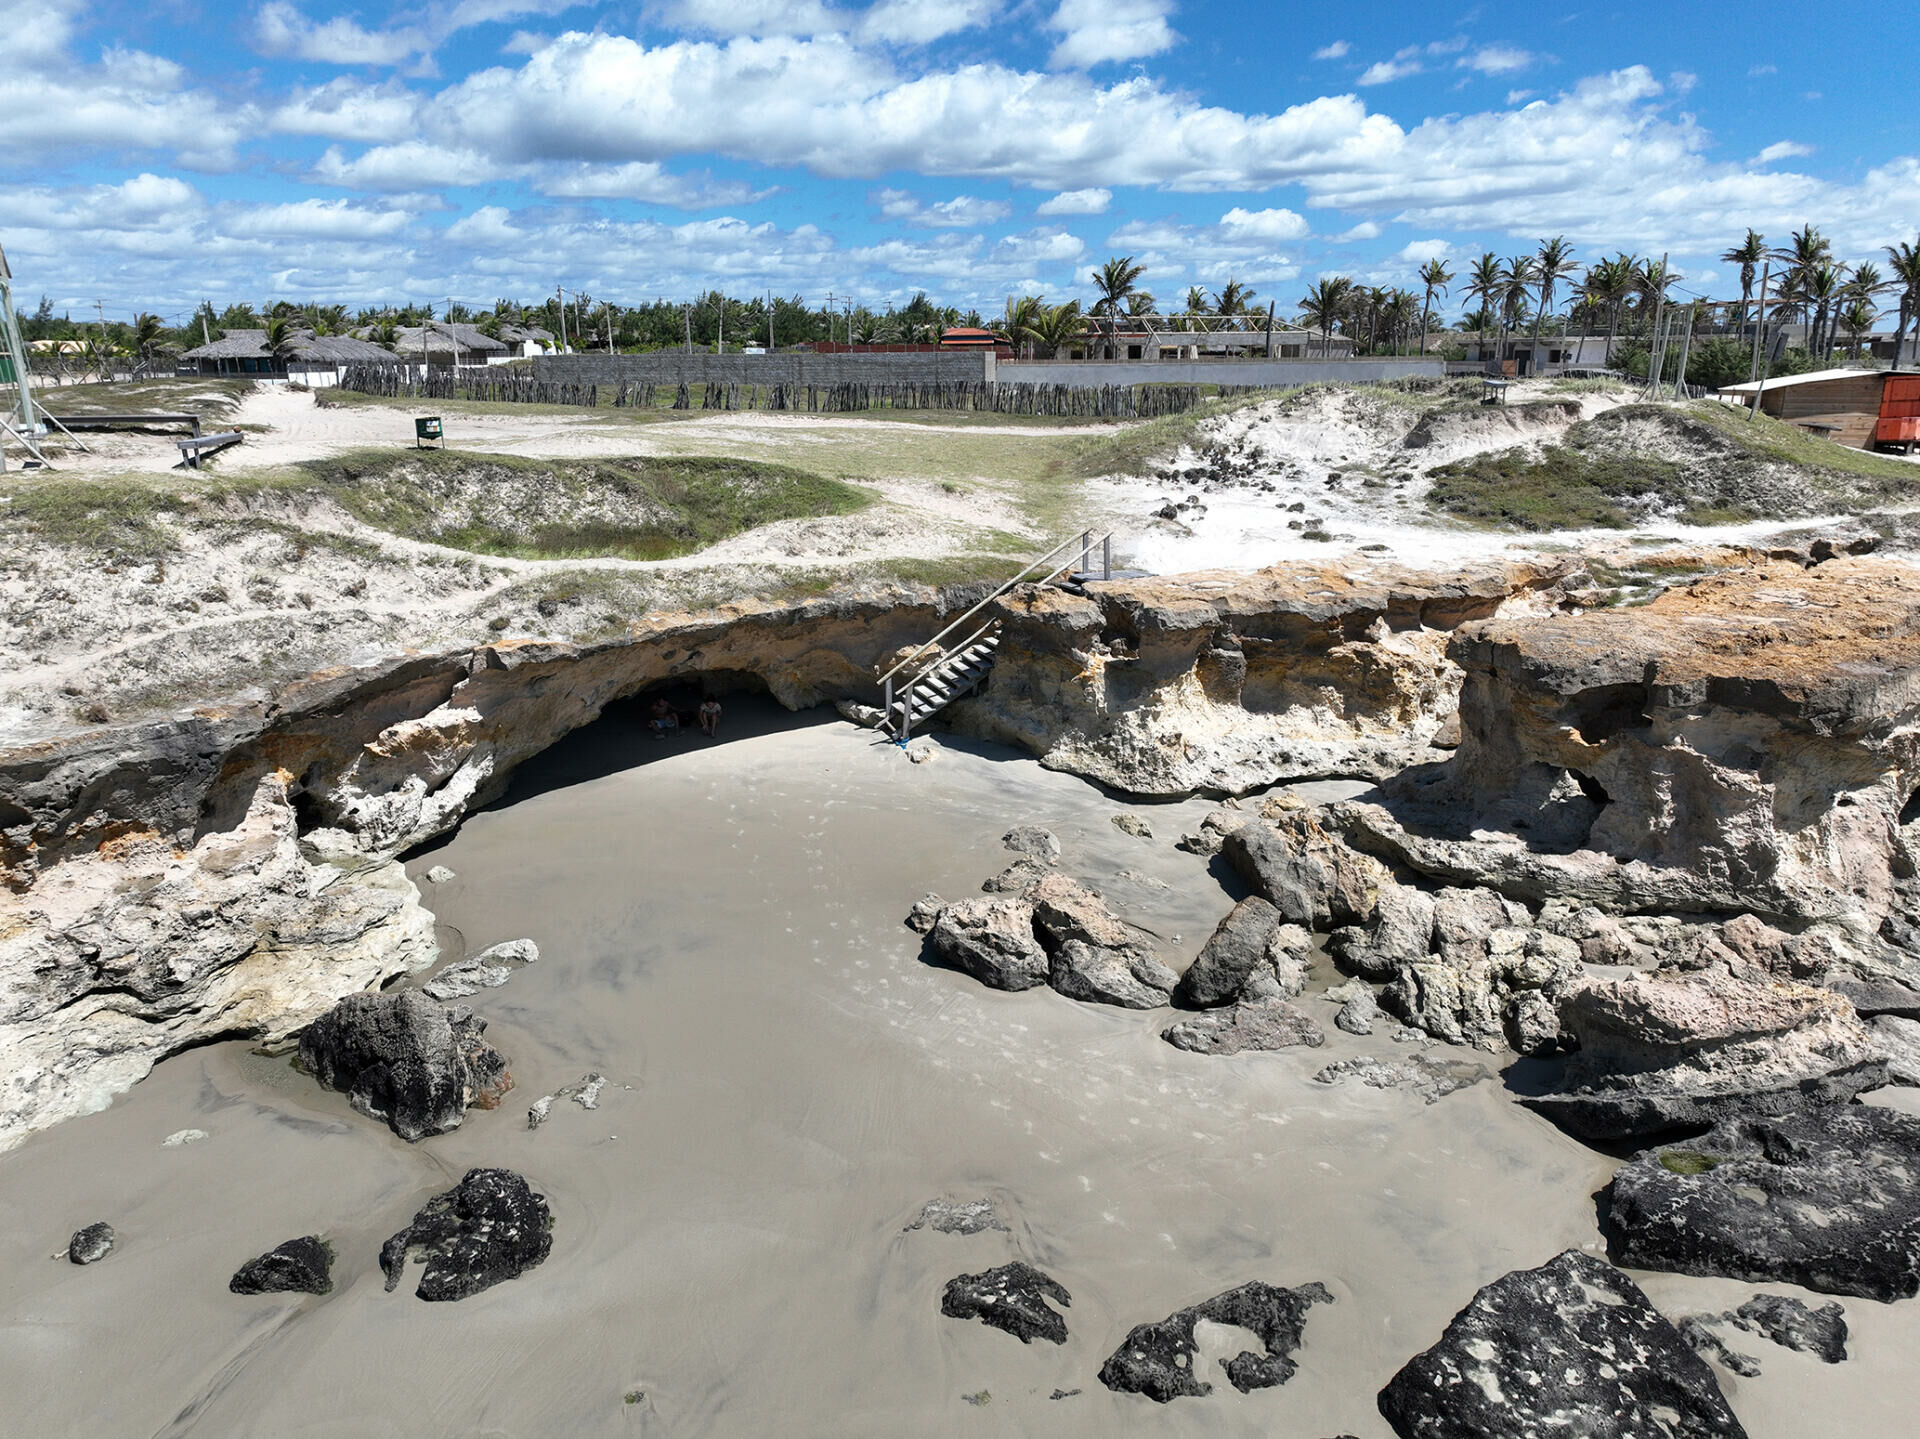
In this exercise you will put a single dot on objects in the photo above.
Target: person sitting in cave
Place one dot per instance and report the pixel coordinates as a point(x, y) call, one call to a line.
point(710, 717)
point(664, 721)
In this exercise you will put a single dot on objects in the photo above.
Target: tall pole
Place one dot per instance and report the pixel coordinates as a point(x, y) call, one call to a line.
point(1686, 344)
point(100, 307)
point(770, 323)
point(1759, 335)
point(1659, 307)
point(453, 338)
point(560, 304)
point(686, 314)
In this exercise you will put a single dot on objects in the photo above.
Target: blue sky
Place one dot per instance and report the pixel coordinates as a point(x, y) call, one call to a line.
point(155, 153)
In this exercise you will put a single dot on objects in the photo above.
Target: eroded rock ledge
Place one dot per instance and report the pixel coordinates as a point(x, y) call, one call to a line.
point(1743, 744)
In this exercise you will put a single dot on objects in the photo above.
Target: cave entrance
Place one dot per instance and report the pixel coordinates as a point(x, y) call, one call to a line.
point(622, 738)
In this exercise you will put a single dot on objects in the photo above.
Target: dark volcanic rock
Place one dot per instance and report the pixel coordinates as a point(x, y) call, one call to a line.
point(405, 1059)
point(1219, 972)
point(1158, 1360)
point(1014, 1298)
point(1787, 1321)
point(488, 1228)
point(992, 940)
point(1709, 1345)
point(1251, 1024)
point(91, 1244)
point(1829, 1200)
point(300, 1266)
point(1571, 1348)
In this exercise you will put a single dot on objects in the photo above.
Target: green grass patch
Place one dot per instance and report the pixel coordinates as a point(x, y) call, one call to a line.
point(1687, 1162)
point(1766, 438)
point(209, 398)
point(1564, 489)
point(119, 516)
point(647, 508)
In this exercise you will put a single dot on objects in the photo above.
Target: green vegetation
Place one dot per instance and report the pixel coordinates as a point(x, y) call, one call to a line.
point(1564, 489)
point(111, 516)
point(1687, 1162)
point(1611, 469)
point(209, 399)
point(642, 508)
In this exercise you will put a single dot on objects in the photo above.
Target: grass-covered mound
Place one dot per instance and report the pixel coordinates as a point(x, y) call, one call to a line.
point(1703, 464)
point(642, 508)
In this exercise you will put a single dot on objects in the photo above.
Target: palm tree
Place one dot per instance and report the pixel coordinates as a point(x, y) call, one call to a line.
point(1823, 287)
point(1435, 276)
point(1115, 282)
point(1485, 285)
point(1196, 301)
point(1805, 248)
point(1857, 315)
point(1022, 321)
point(1747, 255)
point(283, 333)
point(1234, 298)
point(1060, 326)
point(146, 335)
point(1905, 262)
point(1516, 282)
point(1322, 307)
point(1553, 264)
point(1397, 314)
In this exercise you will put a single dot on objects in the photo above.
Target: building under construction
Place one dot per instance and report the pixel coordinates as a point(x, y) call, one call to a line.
point(1864, 409)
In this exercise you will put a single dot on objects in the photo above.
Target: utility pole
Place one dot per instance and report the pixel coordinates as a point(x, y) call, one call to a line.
point(453, 338)
point(686, 315)
point(101, 308)
point(1686, 344)
point(560, 305)
point(770, 324)
point(205, 335)
point(831, 300)
point(722, 349)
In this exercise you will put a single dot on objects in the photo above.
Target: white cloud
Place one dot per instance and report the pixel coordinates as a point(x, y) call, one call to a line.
point(1336, 51)
point(753, 17)
point(961, 212)
point(1514, 97)
point(1365, 230)
point(282, 28)
point(128, 101)
point(1039, 247)
point(1418, 252)
point(644, 180)
point(410, 165)
point(1242, 224)
point(348, 109)
point(1497, 60)
point(1097, 31)
point(318, 219)
point(1077, 202)
point(918, 22)
point(1385, 72)
point(1782, 150)
point(38, 31)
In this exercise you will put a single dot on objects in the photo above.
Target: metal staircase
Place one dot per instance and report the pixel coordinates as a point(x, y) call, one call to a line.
point(935, 675)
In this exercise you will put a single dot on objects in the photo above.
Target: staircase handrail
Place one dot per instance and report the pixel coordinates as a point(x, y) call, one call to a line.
point(1084, 540)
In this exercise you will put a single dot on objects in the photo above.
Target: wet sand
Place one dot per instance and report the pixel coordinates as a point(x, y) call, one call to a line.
point(720, 935)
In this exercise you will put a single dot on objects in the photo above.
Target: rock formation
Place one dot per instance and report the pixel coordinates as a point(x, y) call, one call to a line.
point(1012, 1297)
point(1828, 1199)
point(91, 1244)
point(1572, 1347)
point(1675, 1050)
point(489, 1228)
point(1248, 1024)
point(489, 969)
point(407, 1060)
point(300, 1266)
point(1160, 1360)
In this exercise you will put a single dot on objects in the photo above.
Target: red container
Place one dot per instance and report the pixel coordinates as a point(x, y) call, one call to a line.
point(1897, 431)
point(1900, 410)
point(1901, 388)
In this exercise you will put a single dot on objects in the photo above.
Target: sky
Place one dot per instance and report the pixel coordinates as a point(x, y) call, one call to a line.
point(154, 154)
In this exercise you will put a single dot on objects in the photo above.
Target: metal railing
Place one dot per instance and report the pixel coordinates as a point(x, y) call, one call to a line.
point(1086, 542)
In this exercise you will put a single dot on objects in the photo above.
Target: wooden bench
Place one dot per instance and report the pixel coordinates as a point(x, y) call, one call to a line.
point(196, 449)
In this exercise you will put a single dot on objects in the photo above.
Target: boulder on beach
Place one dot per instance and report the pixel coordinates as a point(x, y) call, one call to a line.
point(1012, 1297)
point(300, 1266)
point(405, 1059)
point(1250, 1024)
point(1237, 945)
point(92, 1244)
point(1129, 976)
point(925, 913)
point(1676, 1050)
point(1828, 1199)
point(1309, 874)
point(1160, 1360)
point(489, 1228)
point(1572, 1347)
point(1431, 1079)
point(1032, 840)
point(992, 940)
point(1794, 1324)
point(957, 1216)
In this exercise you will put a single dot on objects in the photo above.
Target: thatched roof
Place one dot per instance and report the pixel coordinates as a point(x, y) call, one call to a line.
point(320, 349)
point(442, 339)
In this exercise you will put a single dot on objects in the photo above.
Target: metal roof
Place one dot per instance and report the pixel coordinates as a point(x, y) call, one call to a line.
point(1747, 387)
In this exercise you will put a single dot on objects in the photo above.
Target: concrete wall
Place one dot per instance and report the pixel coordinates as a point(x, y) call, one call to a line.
point(798, 367)
point(1093, 374)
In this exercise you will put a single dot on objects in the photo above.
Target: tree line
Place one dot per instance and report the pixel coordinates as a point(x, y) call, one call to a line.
point(1542, 294)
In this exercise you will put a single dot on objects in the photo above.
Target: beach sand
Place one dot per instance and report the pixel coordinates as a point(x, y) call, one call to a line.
point(789, 1082)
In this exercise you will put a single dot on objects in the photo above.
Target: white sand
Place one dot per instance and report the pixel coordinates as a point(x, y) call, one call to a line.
point(720, 935)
